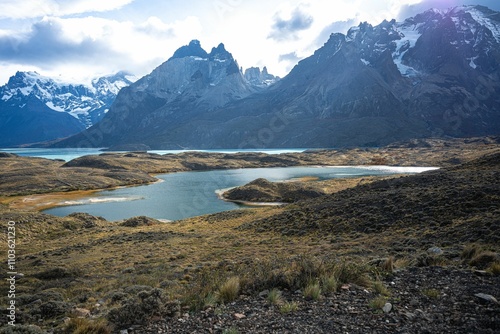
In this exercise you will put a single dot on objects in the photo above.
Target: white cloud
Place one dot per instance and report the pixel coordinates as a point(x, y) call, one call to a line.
point(79, 46)
point(140, 36)
point(155, 26)
point(31, 9)
point(285, 29)
point(84, 6)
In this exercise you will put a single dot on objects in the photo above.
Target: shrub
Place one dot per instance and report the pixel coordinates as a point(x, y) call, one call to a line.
point(380, 288)
point(387, 264)
point(211, 299)
point(306, 269)
point(80, 294)
point(352, 273)
point(85, 326)
point(377, 303)
point(484, 259)
point(402, 263)
point(51, 294)
point(312, 291)
point(52, 309)
point(137, 310)
point(230, 290)
point(139, 221)
point(329, 283)
point(470, 251)
point(289, 307)
point(426, 260)
point(431, 293)
point(116, 296)
point(274, 296)
point(266, 274)
point(54, 273)
point(494, 268)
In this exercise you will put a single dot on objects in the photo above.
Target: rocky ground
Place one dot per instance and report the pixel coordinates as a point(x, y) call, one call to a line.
point(419, 300)
point(413, 254)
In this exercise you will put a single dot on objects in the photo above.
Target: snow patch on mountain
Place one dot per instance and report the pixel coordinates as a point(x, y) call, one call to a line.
point(401, 37)
point(409, 35)
point(86, 102)
point(485, 20)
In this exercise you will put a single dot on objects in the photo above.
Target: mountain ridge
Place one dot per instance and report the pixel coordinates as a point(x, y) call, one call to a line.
point(37, 108)
point(189, 83)
point(434, 74)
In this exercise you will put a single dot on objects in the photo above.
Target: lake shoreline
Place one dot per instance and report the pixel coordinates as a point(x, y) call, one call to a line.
point(91, 174)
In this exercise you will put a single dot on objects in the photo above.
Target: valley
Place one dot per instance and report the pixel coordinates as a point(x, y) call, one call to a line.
point(406, 248)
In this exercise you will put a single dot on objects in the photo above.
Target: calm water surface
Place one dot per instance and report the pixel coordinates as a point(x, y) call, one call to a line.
point(188, 194)
point(68, 154)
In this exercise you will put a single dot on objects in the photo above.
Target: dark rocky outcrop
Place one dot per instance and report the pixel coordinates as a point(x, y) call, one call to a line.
point(262, 190)
point(140, 221)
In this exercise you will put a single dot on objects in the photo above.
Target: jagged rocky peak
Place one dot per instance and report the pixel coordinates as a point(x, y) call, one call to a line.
point(28, 79)
point(111, 84)
point(193, 49)
point(191, 70)
point(220, 53)
point(464, 30)
point(259, 78)
point(191, 77)
point(19, 79)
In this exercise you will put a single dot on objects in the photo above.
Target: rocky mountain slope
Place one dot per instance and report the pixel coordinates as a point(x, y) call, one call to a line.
point(435, 74)
point(259, 78)
point(190, 83)
point(36, 108)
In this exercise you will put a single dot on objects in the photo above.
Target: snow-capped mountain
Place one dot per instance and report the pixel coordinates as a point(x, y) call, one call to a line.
point(434, 74)
point(470, 31)
point(191, 74)
point(87, 103)
point(36, 108)
point(191, 82)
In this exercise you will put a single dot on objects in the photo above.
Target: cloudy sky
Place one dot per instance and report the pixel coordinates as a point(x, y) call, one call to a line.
point(80, 39)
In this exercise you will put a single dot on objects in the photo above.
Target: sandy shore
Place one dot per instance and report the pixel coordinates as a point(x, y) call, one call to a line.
point(41, 202)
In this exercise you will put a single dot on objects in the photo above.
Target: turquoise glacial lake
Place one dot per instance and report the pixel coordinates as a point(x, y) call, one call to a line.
point(68, 154)
point(188, 194)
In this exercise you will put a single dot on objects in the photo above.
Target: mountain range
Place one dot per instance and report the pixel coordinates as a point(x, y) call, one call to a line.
point(434, 74)
point(36, 108)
